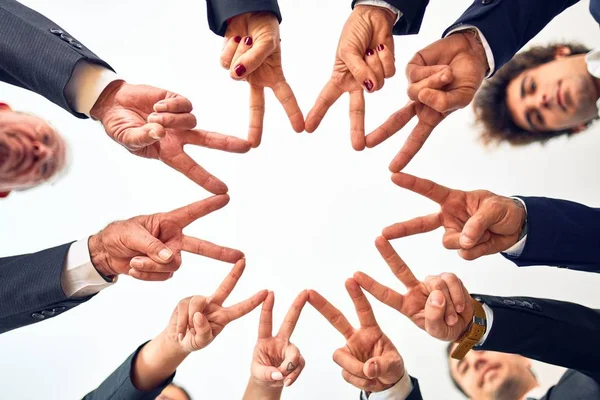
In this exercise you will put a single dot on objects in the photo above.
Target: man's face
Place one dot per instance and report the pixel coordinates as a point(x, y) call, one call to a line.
point(172, 392)
point(489, 375)
point(31, 152)
point(559, 95)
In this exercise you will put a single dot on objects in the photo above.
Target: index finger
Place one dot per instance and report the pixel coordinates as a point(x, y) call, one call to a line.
point(329, 95)
point(415, 226)
point(216, 141)
point(396, 264)
point(187, 214)
point(257, 115)
point(332, 314)
point(224, 290)
point(357, 119)
point(292, 316)
point(414, 142)
point(394, 123)
point(363, 308)
point(244, 307)
point(187, 166)
point(424, 187)
point(265, 324)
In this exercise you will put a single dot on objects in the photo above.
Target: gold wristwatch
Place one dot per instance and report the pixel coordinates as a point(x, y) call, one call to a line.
point(473, 334)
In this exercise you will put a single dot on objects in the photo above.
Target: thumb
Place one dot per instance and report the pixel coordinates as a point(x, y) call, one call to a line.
point(360, 70)
point(389, 368)
point(253, 58)
point(435, 310)
point(140, 240)
point(478, 224)
point(204, 334)
point(267, 373)
point(143, 136)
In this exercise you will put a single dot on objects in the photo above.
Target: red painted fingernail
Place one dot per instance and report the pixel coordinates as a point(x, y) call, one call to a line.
point(368, 84)
point(370, 52)
point(240, 70)
point(237, 39)
point(248, 41)
point(380, 47)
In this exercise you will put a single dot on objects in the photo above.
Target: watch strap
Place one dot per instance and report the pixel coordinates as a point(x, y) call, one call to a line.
point(473, 334)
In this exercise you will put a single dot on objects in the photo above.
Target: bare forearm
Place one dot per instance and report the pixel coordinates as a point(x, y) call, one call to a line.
point(156, 361)
point(256, 391)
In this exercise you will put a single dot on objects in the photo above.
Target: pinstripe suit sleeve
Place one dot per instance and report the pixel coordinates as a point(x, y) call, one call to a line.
point(31, 288)
point(37, 54)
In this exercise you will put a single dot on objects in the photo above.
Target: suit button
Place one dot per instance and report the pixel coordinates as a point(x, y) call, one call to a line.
point(484, 2)
point(537, 307)
point(37, 316)
point(56, 31)
point(509, 302)
point(65, 37)
point(58, 309)
point(76, 44)
point(48, 313)
point(528, 304)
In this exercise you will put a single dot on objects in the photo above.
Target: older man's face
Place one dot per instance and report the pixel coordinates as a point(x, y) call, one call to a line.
point(489, 375)
point(31, 152)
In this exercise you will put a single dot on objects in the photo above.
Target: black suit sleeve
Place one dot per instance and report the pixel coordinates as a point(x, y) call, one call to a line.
point(415, 394)
point(412, 15)
point(560, 233)
point(509, 24)
point(37, 54)
point(31, 290)
point(119, 386)
point(555, 332)
point(219, 11)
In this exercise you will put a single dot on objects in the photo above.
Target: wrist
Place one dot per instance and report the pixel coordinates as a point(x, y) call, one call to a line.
point(386, 13)
point(106, 100)
point(170, 345)
point(475, 45)
point(262, 390)
point(99, 256)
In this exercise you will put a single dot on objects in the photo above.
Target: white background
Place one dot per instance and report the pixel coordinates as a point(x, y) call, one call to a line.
point(305, 208)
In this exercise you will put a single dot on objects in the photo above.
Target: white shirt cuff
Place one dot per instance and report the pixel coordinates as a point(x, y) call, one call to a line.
point(486, 46)
point(516, 249)
point(80, 278)
point(87, 84)
point(489, 317)
point(380, 3)
point(399, 391)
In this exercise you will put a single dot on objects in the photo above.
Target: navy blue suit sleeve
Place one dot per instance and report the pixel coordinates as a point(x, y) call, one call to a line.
point(509, 24)
point(412, 15)
point(31, 291)
point(219, 11)
point(415, 394)
point(551, 331)
point(118, 386)
point(37, 54)
point(561, 233)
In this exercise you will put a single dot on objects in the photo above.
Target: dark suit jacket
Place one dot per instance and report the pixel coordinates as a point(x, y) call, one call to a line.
point(561, 233)
point(555, 332)
point(509, 24)
point(37, 54)
point(31, 291)
point(219, 11)
point(118, 386)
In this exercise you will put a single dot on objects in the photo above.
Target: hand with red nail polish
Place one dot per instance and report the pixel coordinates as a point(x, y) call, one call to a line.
point(440, 305)
point(252, 53)
point(149, 247)
point(364, 59)
point(369, 359)
point(157, 124)
point(443, 77)
point(276, 362)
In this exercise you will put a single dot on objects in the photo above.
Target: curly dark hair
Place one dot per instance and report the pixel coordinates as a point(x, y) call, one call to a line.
point(491, 110)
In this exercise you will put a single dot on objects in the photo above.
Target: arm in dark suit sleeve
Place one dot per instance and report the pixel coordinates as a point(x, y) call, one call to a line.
point(415, 394)
point(561, 233)
point(37, 54)
point(118, 386)
point(219, 11)
point(509, 24)
point(31, 288)
point(412, 15)
point(555, 332)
